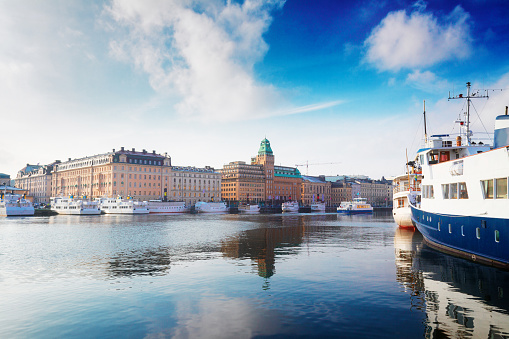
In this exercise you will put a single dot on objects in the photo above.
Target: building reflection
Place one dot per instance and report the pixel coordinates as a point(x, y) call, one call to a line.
point(261, 245)
point(461, 298)
point(149, 262)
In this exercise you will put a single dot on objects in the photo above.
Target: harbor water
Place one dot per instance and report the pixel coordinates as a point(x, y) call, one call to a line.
point(239, 276)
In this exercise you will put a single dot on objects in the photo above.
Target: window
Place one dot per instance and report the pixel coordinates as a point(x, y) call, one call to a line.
point(497, 236)
point(453, 191)
point(487, 188)
point(462, 230)
point(501, 185)
point(450, 228)
point(463, 193)
point(478, 233)
point(445, 191)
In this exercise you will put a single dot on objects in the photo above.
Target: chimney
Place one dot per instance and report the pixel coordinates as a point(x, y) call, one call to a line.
point(153, 151)
point(122, 148)
point(113, 150)
point(69, 159)
point(144, 151)
point(505, 110)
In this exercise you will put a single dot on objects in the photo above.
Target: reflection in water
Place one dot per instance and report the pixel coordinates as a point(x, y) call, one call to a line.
point(463, 298)
point(148, 262)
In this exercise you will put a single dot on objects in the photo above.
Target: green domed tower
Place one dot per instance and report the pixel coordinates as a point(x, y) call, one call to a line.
point(265, 157)
point(265, 147)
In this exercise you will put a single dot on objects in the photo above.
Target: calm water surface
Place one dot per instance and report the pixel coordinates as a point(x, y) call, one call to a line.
point(239, 276)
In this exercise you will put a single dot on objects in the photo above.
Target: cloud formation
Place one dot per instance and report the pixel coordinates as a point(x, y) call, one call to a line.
point(202, 52)
point(418, 40)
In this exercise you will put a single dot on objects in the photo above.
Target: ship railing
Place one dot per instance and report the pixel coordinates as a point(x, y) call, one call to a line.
point(404, 188)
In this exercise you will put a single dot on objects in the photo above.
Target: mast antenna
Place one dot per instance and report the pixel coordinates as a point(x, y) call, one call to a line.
point(425, 131)
point(469, 97)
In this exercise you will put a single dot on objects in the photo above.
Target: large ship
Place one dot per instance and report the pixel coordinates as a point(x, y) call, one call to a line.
point(249, 208)
point(166, 207)
point(406, 191)
point(211, 207)
point(356, 206)
point(15, 205)
point(78, 206)
point(464, 208)
point(122, 206)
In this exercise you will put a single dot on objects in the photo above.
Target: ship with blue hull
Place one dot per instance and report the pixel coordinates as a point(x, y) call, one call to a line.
point(464, 207)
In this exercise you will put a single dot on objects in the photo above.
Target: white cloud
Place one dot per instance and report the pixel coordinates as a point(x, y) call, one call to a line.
point(418, 40)
point(203, 53)
point(427, 81)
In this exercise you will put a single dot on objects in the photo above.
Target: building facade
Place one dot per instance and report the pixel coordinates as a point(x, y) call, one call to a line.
point(261, 180)
point(242, 182)
point(140, 175)
point(36, 180)
point(5, 179)
point(314, 189)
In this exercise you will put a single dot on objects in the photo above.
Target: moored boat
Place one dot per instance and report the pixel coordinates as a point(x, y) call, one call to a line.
point(166, 207)
point(290, 207)
point(122, 206)
point(15, 205)
point(318, 207)
point(356, 206)
point(406, 191)
point(464, 208)
point(72, 206)
point(211, 207)
point(249, 208)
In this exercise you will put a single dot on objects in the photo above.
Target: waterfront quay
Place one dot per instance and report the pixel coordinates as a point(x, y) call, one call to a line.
point(143, 176)
point(239, 276)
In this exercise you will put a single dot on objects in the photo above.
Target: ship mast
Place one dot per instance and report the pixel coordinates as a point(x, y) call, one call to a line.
point(468, 97)
point(425, 131)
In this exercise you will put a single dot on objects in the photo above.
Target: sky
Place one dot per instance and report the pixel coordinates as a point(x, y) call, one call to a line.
point(337, 85)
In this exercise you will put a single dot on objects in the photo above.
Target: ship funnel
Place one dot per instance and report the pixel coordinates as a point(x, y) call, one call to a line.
point(502, 130)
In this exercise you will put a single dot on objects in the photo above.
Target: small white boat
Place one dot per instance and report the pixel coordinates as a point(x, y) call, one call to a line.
point(318, 207)
point(69, 205)
point(167, 207)
point(358, 205)
point(406, 191)
point(249, 208)
point(290, 207)
point(211, 207)
point(122, 206)
point(15, 205)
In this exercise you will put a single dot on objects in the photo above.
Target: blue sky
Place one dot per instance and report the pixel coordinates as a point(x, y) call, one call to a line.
point(325, 81)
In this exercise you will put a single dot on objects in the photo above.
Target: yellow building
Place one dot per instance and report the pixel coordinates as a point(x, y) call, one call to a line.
point(36, 180)
point(141, 175)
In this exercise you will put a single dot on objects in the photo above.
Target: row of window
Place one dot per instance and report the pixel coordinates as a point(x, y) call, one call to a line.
point(477, 232)
point(456, 190)
point(494, 188)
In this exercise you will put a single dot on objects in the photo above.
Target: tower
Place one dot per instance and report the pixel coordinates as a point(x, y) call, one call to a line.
point(265, 158)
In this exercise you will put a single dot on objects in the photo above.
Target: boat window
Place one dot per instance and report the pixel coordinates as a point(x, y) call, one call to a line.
point(487, 188)
point(462, 230)
point(445, 191)
point(444, 156)
point(453, 191)
point(501, 185)
point(478, 233)
point(463, 193)
point(450, 228)
point(433, 158)
point(497, 236)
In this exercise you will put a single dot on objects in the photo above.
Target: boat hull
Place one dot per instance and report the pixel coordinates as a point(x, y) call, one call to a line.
point(355, 211)
point(78, 212)
point(470, 237)
point(16, 211)
point(403, 217)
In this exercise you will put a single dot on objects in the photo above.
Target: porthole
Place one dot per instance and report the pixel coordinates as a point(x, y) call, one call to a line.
point(478, 233)
point(497, 236)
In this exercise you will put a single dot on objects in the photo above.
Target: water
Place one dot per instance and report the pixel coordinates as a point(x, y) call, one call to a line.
point(239, 276)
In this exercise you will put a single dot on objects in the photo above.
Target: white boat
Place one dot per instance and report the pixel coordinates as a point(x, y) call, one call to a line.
point(290, 207)
point(318, 207)
point(406, 191)
point(122, 206)
point(464, 208)
point(70, 205)
point(15, 205)
point(356, 206)
point(249, 208)
point(211, 207)
point(167, 207)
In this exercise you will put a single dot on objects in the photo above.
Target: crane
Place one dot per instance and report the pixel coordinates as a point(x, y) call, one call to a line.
point(320, 163)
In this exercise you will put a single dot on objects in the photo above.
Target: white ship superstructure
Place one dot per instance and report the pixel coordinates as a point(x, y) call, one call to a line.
point(290, 207)
point(248, 208)
point(356, 206)
point(166, 207)
point(122, 206)
point(318, 207)
point(406, 191)
point(15, 205)
point(211, 207)
point(70, 205)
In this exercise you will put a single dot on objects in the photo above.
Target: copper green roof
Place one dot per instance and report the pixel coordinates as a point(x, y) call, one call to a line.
point(265, 147)
point(287, 172)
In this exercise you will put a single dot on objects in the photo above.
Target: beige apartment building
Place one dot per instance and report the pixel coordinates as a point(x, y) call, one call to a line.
point(140, 175)
point(315, 189)
point(36, 180)
point(242, 182)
